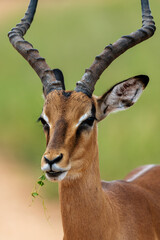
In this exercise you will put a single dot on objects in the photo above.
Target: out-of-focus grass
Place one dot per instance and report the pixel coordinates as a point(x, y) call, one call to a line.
point(70, 37)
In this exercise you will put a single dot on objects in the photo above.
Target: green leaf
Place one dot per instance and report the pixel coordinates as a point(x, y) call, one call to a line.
point(42, 178)
point(40, 183)
point(34, 194)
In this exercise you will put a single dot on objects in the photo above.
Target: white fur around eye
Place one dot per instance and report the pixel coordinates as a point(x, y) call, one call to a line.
point(45, 118)
point(84, 117)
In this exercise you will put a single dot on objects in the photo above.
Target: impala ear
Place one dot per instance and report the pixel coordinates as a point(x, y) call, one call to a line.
point(121, 96)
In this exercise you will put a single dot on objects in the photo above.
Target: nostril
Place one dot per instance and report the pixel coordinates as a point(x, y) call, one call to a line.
point(58, 159)
point(46, 160)
point(55, 160)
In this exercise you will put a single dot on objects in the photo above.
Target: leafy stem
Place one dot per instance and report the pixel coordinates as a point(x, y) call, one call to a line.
point(36, 193)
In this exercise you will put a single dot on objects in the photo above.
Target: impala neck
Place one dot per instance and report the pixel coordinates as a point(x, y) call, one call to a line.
point(83, 202)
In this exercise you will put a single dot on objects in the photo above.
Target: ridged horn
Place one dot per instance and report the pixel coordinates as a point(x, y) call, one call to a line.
point(32, 56)
point(112, 51)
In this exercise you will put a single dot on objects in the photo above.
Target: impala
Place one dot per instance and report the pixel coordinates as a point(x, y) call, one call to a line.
point(91, 209)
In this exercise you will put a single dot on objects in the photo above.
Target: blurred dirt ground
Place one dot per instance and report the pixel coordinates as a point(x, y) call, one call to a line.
point(17, 219)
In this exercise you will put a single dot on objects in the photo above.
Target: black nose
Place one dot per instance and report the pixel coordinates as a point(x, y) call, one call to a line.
point(55, 160)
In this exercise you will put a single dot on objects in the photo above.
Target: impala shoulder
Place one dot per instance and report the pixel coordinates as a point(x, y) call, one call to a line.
point(113, 186)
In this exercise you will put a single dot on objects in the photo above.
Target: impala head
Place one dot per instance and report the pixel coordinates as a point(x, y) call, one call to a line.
point(70, 118)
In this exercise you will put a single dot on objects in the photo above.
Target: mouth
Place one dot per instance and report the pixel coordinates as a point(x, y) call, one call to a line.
point(51, 175)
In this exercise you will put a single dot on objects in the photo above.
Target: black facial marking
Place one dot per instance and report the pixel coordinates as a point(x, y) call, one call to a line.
point(78, 134)
point(67, 94)
point(59, 134)
point(93, 110)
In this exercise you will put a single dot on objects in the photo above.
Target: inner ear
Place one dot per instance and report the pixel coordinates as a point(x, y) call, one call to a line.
point(121, 96)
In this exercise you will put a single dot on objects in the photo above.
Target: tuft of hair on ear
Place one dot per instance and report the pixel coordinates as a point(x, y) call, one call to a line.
point(144, 79)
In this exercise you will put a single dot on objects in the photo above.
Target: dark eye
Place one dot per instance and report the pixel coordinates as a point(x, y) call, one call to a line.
point(88, 122)
point(44, 123)
point(85, 125)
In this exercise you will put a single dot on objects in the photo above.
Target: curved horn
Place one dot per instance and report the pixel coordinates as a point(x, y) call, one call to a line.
point(111, 52)
point(32, 56)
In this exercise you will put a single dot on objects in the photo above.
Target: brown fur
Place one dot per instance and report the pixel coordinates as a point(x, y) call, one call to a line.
point(91, 209)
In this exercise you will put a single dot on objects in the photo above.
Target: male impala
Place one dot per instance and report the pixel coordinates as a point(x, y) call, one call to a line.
point(91, 209)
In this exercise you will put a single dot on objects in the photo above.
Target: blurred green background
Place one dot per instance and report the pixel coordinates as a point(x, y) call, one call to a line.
point(69, 34)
